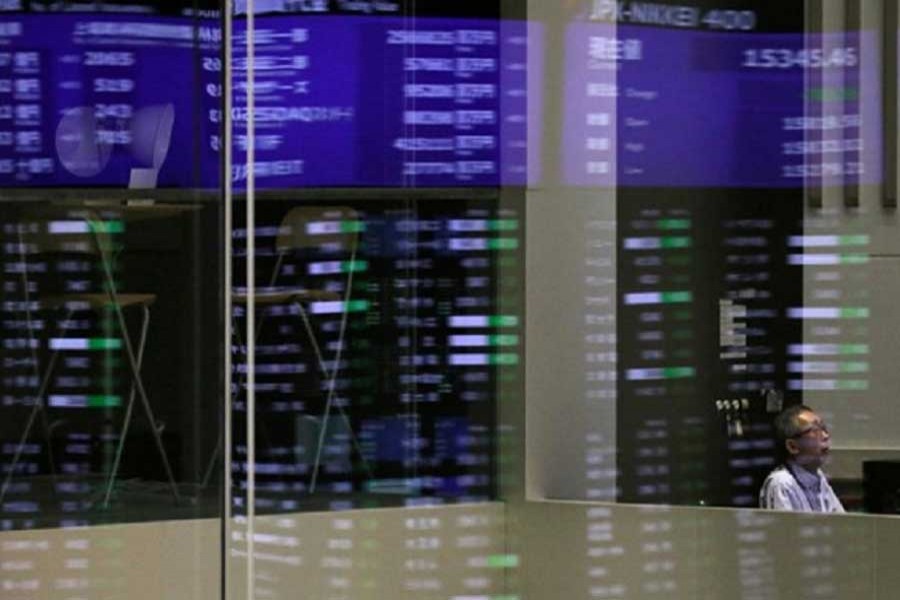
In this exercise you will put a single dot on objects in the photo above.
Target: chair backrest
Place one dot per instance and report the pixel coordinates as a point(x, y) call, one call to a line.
point(317, 226)
point(72, 249)
point(61, 229)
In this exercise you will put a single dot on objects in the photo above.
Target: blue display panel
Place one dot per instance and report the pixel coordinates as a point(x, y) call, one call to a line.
point(85, 100)
point(687, 108)
point(346, 101)
point(387, 102)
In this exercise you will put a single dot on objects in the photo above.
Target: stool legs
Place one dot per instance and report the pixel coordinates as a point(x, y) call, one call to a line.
point(38, 407)
point(145, 322)
point(133, 364)
point(330, 378)
point(138, 384)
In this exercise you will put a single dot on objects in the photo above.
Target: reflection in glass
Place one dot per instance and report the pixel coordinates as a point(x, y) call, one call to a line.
point(443, 100)
point(111, 343)
point(108, 100)
point(380, 344)
point(710, 135)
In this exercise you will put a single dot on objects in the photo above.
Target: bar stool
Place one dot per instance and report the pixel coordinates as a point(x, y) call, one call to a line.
point(306, 228)
point(81, 231)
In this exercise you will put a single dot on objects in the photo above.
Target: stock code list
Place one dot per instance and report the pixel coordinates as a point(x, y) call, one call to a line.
point(689, 344)
point(379, 372)
point(422, 329)
point(64, 387)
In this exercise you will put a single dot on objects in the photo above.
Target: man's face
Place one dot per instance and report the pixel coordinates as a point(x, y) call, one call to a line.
point(810, 447)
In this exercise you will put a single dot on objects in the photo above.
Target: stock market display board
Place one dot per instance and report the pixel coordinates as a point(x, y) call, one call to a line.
point(341, 101)
point(380, 366)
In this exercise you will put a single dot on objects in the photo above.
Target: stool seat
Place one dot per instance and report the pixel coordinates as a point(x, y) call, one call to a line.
point(282, 295)
point(99, 301)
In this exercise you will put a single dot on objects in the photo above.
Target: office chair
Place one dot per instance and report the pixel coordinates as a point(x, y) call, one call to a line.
point(302, 229)
point(79, 231)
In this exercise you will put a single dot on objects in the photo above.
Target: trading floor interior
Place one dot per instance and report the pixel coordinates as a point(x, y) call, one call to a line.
point(471, 300)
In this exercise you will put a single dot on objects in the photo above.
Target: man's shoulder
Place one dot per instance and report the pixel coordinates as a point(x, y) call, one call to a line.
point(780, 491)
point(780, 476)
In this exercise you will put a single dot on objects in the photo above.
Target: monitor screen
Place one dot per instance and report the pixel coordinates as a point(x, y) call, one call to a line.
point(649, 106)
point(340, 101)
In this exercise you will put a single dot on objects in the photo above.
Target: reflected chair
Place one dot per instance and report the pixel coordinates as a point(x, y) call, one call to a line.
point(304, 229)
point(79, 231)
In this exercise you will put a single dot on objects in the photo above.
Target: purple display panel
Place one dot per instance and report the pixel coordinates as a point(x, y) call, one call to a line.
point(120, 100)
point(659, 107)
point(439, 109)
point(521, 63)
point(306, 92)
point(102, 101)
point(356, 101)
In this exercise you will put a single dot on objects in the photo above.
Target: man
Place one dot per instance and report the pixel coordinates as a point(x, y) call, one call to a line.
point(798, 484)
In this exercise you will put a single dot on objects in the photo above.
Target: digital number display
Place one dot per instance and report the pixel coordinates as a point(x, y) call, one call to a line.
point(688, 108)
point(791, 58)
point(348, 101)
point(85, 100)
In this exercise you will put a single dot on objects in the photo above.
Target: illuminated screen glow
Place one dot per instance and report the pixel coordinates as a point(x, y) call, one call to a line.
point(658, 107)
point(355, 101)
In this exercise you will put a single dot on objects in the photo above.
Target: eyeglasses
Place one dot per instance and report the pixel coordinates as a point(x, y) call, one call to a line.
point(818, 428)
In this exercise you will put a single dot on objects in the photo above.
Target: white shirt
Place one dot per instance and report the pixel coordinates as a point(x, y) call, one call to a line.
point(790, 487)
